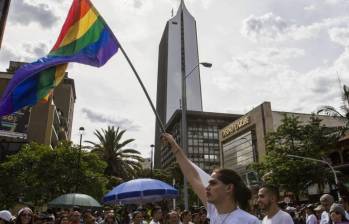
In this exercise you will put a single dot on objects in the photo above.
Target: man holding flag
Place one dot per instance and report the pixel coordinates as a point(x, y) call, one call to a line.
point(225, 195)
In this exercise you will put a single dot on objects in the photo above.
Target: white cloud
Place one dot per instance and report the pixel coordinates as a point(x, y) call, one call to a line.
point(263, 59)
point(123, 123)
point(342, 64)
point(334, 2)
point(264, 72)
point(136, 7)
point(8, 53)
point(269, 27)
point(25, 13)
point(244, 74)
point(26, 52)
point(340, 35)
point(267, 75)
point(310, 7)
point(36, 50)
point(266, 27)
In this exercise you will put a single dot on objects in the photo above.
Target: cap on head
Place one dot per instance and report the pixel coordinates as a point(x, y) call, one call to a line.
point(6, 215)
point(338, 208)
point(25, 209)
point(319, 208)
point(327, 197)
point(310, 206)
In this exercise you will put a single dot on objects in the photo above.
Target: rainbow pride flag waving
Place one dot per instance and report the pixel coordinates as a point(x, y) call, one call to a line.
point(85, 38)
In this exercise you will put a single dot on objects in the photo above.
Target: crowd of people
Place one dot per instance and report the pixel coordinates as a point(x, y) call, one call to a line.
point(225, 197)
point(270, 211)
point(326, 211)
point(156, 215)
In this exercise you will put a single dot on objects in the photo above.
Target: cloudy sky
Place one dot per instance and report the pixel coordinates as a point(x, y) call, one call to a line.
point(291, 53)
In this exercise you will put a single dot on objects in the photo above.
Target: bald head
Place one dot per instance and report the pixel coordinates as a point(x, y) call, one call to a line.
point(326, 201)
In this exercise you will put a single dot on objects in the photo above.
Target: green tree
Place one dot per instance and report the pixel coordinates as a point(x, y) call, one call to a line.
point(38, 174)
point(158, 174)
point(293, 137)
point(122, 162)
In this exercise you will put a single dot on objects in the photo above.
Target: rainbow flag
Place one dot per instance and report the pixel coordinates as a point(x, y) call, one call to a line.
point(85, 38)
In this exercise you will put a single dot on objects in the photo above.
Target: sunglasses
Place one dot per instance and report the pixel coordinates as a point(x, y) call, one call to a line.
point(26, 214)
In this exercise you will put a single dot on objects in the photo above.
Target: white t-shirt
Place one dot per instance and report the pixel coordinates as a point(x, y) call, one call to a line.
point(237, 216)
point(346, 215)
point(311, 219)
point(280, 217)
point(153, 222)
point(325, 218)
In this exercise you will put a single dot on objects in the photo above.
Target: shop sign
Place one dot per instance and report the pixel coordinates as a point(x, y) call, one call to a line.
point(235, 126)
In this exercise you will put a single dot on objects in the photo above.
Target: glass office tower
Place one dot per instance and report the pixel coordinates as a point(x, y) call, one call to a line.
point(178, 55)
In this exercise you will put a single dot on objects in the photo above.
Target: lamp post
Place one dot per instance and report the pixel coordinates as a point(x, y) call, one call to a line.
point(151, 159)
point(184, 137)
point(320, 161)
point(81, 132)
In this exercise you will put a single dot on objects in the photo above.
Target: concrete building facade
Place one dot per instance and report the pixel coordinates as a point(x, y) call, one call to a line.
point(242, 142)
point(45, 123)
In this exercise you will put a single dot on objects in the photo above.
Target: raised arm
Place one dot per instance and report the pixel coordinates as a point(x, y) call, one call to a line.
point(187, 168)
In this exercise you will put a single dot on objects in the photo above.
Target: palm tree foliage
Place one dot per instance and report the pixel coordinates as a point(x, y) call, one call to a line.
point(122, 162)
point(343, 113)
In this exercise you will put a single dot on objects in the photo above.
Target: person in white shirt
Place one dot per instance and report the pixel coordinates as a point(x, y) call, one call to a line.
point(6, 217)
point(344, 201)
point(225, 196)
point(156, 215)
point(310, 217)
point(326, 201)
point(137, 217)
point(186, 217)
point(337, 214)
point(268, 197)
point(173, 218)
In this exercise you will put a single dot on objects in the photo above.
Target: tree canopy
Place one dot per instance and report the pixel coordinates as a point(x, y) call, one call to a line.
point(121, 161)
point(38, 173)
point(293, 137)
point(342, 112)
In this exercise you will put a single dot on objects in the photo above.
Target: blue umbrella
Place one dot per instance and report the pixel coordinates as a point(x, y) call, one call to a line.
point(140, 191)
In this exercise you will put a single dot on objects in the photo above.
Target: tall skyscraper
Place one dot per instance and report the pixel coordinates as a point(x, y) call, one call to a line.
point(4, 7)
point(178, 54)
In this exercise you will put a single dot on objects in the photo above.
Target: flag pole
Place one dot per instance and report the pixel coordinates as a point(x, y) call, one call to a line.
point(144, 89)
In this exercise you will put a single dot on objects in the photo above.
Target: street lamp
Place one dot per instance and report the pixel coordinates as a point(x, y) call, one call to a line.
point(81, 132)
point(184, 136)
point(320, 161)
point(151, 159)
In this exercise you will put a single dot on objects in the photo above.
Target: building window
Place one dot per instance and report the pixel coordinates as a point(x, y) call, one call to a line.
point(238, 153)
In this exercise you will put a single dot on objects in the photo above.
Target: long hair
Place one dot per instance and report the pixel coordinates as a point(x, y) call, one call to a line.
point(241, 193)
point(21, 212)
